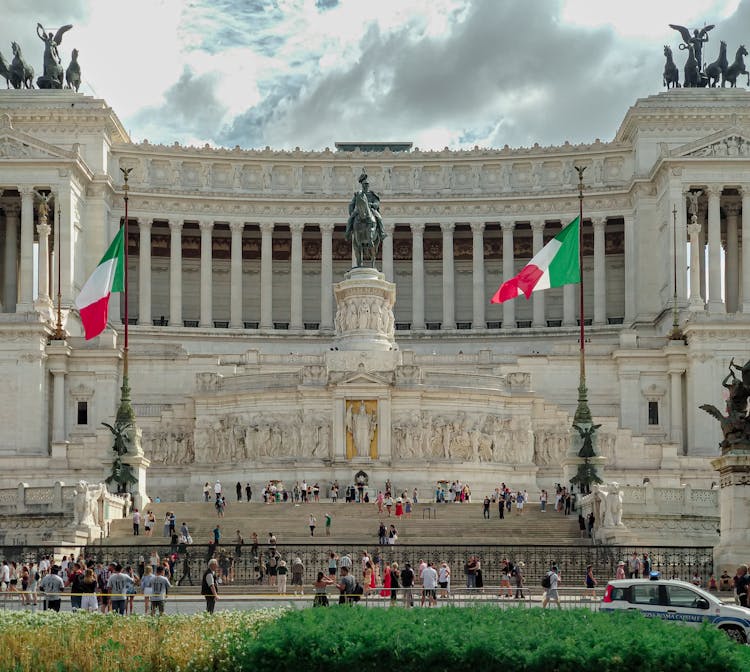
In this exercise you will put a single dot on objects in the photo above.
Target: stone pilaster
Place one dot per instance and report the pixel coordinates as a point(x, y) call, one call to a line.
point(449, 290)
point(235, 290)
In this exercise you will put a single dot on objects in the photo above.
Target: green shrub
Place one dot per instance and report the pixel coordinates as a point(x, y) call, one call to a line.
point(485, 638)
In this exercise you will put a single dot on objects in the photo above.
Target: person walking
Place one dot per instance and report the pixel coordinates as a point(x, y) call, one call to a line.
point(311, 522)
point(248, 492)
point(518, 570)
point(590, 583)
point(429, 585)
point(136, 522)
point(552, 595)
point(281, 572)
point(208, 585)
point(298, 572)
point(407, 585)
point(486, 507)
point(329, 520)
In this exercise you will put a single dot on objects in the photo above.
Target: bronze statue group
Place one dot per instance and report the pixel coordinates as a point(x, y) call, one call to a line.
point(695, 74)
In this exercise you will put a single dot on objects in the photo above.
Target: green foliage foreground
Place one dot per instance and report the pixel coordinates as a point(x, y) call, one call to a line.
point(362, 639)
point(522, 640)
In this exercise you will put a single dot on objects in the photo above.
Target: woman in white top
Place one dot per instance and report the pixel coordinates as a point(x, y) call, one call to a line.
point(444, 579)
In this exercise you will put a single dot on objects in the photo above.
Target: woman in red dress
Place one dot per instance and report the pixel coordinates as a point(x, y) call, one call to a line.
point(386, 591)
point(399, 508)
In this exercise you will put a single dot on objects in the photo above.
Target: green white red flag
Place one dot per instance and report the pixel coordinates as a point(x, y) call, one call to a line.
point(555, 265)
point(108, 277)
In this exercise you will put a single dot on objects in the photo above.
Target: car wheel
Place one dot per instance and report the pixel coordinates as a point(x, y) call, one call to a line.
point(736, 634)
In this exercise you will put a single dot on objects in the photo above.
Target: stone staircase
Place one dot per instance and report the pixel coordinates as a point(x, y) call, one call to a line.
point(432, 524)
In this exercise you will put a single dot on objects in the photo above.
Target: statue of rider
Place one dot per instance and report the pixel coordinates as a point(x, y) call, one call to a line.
point(374, 200)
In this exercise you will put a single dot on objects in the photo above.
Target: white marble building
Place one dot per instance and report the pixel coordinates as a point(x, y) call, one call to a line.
point(233, 258)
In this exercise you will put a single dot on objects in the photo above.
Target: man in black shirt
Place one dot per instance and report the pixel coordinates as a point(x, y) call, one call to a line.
point(407, 583)
point(741, 582)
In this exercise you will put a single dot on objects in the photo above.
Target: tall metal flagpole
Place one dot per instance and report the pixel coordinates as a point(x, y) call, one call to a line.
point(125, 413)
point(59, 333)
point(676, 333)
point(583, 412)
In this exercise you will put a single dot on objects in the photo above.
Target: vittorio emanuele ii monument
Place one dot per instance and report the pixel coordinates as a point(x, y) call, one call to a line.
point(260, 349)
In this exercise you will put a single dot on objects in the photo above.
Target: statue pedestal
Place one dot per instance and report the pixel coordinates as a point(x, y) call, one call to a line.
point(734, 507)
point(139, 464)
point(364, 311)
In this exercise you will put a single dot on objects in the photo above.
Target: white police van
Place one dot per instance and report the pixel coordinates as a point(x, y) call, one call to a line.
point(677, 601)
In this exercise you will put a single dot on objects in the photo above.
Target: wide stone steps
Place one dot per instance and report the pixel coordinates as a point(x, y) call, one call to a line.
point(357, 523)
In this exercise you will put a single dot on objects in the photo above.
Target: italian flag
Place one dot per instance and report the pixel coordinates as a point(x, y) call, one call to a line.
point(555, 265)
point(93, 301)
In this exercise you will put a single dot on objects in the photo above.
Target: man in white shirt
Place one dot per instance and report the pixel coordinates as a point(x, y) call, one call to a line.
point(4, 576)
point(160, 586)
point(429, 585)
point(51, 586)
point(217, 489)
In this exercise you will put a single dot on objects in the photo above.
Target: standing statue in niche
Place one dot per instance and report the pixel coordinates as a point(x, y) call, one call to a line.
point(365, 224)
point(362, 426)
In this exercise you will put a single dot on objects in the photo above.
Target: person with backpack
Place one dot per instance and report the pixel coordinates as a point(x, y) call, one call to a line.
point(550, 582)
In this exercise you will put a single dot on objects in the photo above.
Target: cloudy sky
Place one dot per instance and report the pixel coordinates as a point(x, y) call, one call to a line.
point(308, 73)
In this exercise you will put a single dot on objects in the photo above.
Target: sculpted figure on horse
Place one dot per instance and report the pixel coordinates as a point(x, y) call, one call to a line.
point(365, 224)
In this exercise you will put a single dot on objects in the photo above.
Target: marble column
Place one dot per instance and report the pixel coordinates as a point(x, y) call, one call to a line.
point(207, 279)
point(417, 266)
point(26, 263)
point(295, 275)
point(681, 252)
point(266, 275)
point(43, 231)
point(600, 272)
point(746, 248)
point(10, 261)
point(389, 228)
point(477, 271)
point(675, 409)
point(537, 242)
point(732, 258)
point(715, 302)
point(695, 303)
point(449, 289)
point(509, 307)
point(326, 275)
point(235, 274)
point(631, 264)
point(175, 273)
point(144, 272)
point(702, 256)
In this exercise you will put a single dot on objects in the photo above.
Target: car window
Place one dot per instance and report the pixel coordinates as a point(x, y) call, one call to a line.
point(645, 594)
point(619, 594)
point(682, 597)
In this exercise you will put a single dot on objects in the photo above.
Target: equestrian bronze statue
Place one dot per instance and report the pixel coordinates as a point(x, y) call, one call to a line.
point(365, 224)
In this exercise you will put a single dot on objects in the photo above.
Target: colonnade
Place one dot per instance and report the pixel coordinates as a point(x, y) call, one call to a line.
point(18, 270)
point(704, 225)
point(479, 290)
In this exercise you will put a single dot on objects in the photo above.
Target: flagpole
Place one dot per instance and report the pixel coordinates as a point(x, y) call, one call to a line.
point(676, 333)
point(583, 412)
point(125, 413)
point(59, 334)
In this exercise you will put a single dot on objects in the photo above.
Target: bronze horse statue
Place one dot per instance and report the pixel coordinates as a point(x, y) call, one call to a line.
point(692, 74)
point(5, 71)
point(364, 234)
point(73, 73)
point(671, 73)
point(718, 67)
point(737, 68)
point(21, 73)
